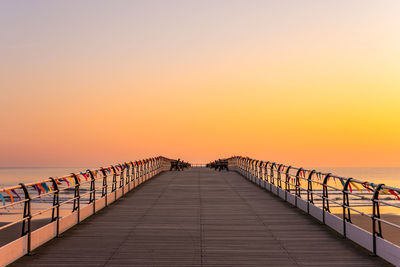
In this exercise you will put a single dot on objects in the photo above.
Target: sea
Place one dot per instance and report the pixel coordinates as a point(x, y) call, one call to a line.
point(10, 176)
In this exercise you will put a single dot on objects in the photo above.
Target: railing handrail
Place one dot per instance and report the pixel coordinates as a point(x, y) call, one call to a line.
point(4, 189)
point(323, 173)
point(272, 172)
point(130, 174)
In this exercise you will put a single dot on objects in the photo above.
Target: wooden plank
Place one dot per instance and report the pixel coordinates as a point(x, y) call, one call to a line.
point(199, 217)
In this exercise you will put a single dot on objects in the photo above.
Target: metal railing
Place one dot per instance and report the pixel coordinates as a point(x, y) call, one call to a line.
point(69, 194)
point(333, 194)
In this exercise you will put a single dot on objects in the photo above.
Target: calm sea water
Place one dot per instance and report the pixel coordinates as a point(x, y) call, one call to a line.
point(388, 176)
point(13, 176)
point(10, 176)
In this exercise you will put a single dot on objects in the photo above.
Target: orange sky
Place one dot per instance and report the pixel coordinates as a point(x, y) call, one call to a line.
point(309, 83)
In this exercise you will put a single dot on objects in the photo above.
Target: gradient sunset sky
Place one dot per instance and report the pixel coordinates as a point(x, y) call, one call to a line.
point(308, 83)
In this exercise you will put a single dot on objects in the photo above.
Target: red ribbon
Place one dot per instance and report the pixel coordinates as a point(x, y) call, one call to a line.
point(394, 193)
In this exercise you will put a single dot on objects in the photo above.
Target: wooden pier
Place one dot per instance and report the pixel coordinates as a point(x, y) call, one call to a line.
point(200, 217)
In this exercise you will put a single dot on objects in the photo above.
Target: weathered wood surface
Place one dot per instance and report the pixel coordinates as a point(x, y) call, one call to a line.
point(200, 217)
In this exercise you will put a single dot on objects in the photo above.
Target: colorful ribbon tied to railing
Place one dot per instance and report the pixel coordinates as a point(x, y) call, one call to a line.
point(2, 199)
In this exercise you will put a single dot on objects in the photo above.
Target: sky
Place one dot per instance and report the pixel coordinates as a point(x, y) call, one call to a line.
point(306, 83)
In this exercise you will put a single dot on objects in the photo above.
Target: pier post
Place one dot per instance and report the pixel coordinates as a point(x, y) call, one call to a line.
point(310, 198)
point(346, 205)
point(77, 197)
point(376, 215)
point(27, 218)
point(105, 186)
point(325, 200)
point(55, 214)
point(92, 195)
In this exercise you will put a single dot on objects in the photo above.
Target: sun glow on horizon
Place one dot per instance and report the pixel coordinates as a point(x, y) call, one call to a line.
point(308, 83)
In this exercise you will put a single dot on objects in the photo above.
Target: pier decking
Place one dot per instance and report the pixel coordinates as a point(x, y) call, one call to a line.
point(200, 217)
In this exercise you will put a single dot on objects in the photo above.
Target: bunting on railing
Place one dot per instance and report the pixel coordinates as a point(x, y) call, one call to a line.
point(355, 186)
point(2, 199)
point(11, 197)
point(251, 164)
point(319, 176)
point(394, 193)
point(365, 185)
point(16, 194)
point(36, 188)
point(45, 187)
point(302, 174)
point(65, 180)
point(41, 188)
point(84, 176)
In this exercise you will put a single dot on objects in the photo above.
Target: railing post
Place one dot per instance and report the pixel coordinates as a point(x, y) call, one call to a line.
point(310, 198)
point(121, 176)
point(136, 174)
point(128, 176)
point(255, 165)
point(256, 162)
point(346, 203)
point(272, 175)
point(145, 170)
point(114, 182)
point(77, 197)
point(287, 183)
point(149, 169)
point(266, 171)
point(279, 177)
point(376, 215)
point(132, 173)
point(297, 186)
point(105, 186)
point(287, 179)
point(152, 167)
point(92, 195)
point(325, 200)
point(27, 217)
point(141, 171)
point(247, 168)
point(55, 213)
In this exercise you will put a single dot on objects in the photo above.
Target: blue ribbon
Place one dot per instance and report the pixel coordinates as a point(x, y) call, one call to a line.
point(46, 188)
point(2, 198)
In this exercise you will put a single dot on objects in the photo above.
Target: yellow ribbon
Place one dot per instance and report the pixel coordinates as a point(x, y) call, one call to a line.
point(356, 186)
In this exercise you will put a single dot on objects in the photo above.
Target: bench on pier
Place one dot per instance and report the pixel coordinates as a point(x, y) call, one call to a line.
point(218, 165)
point(179, 165)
